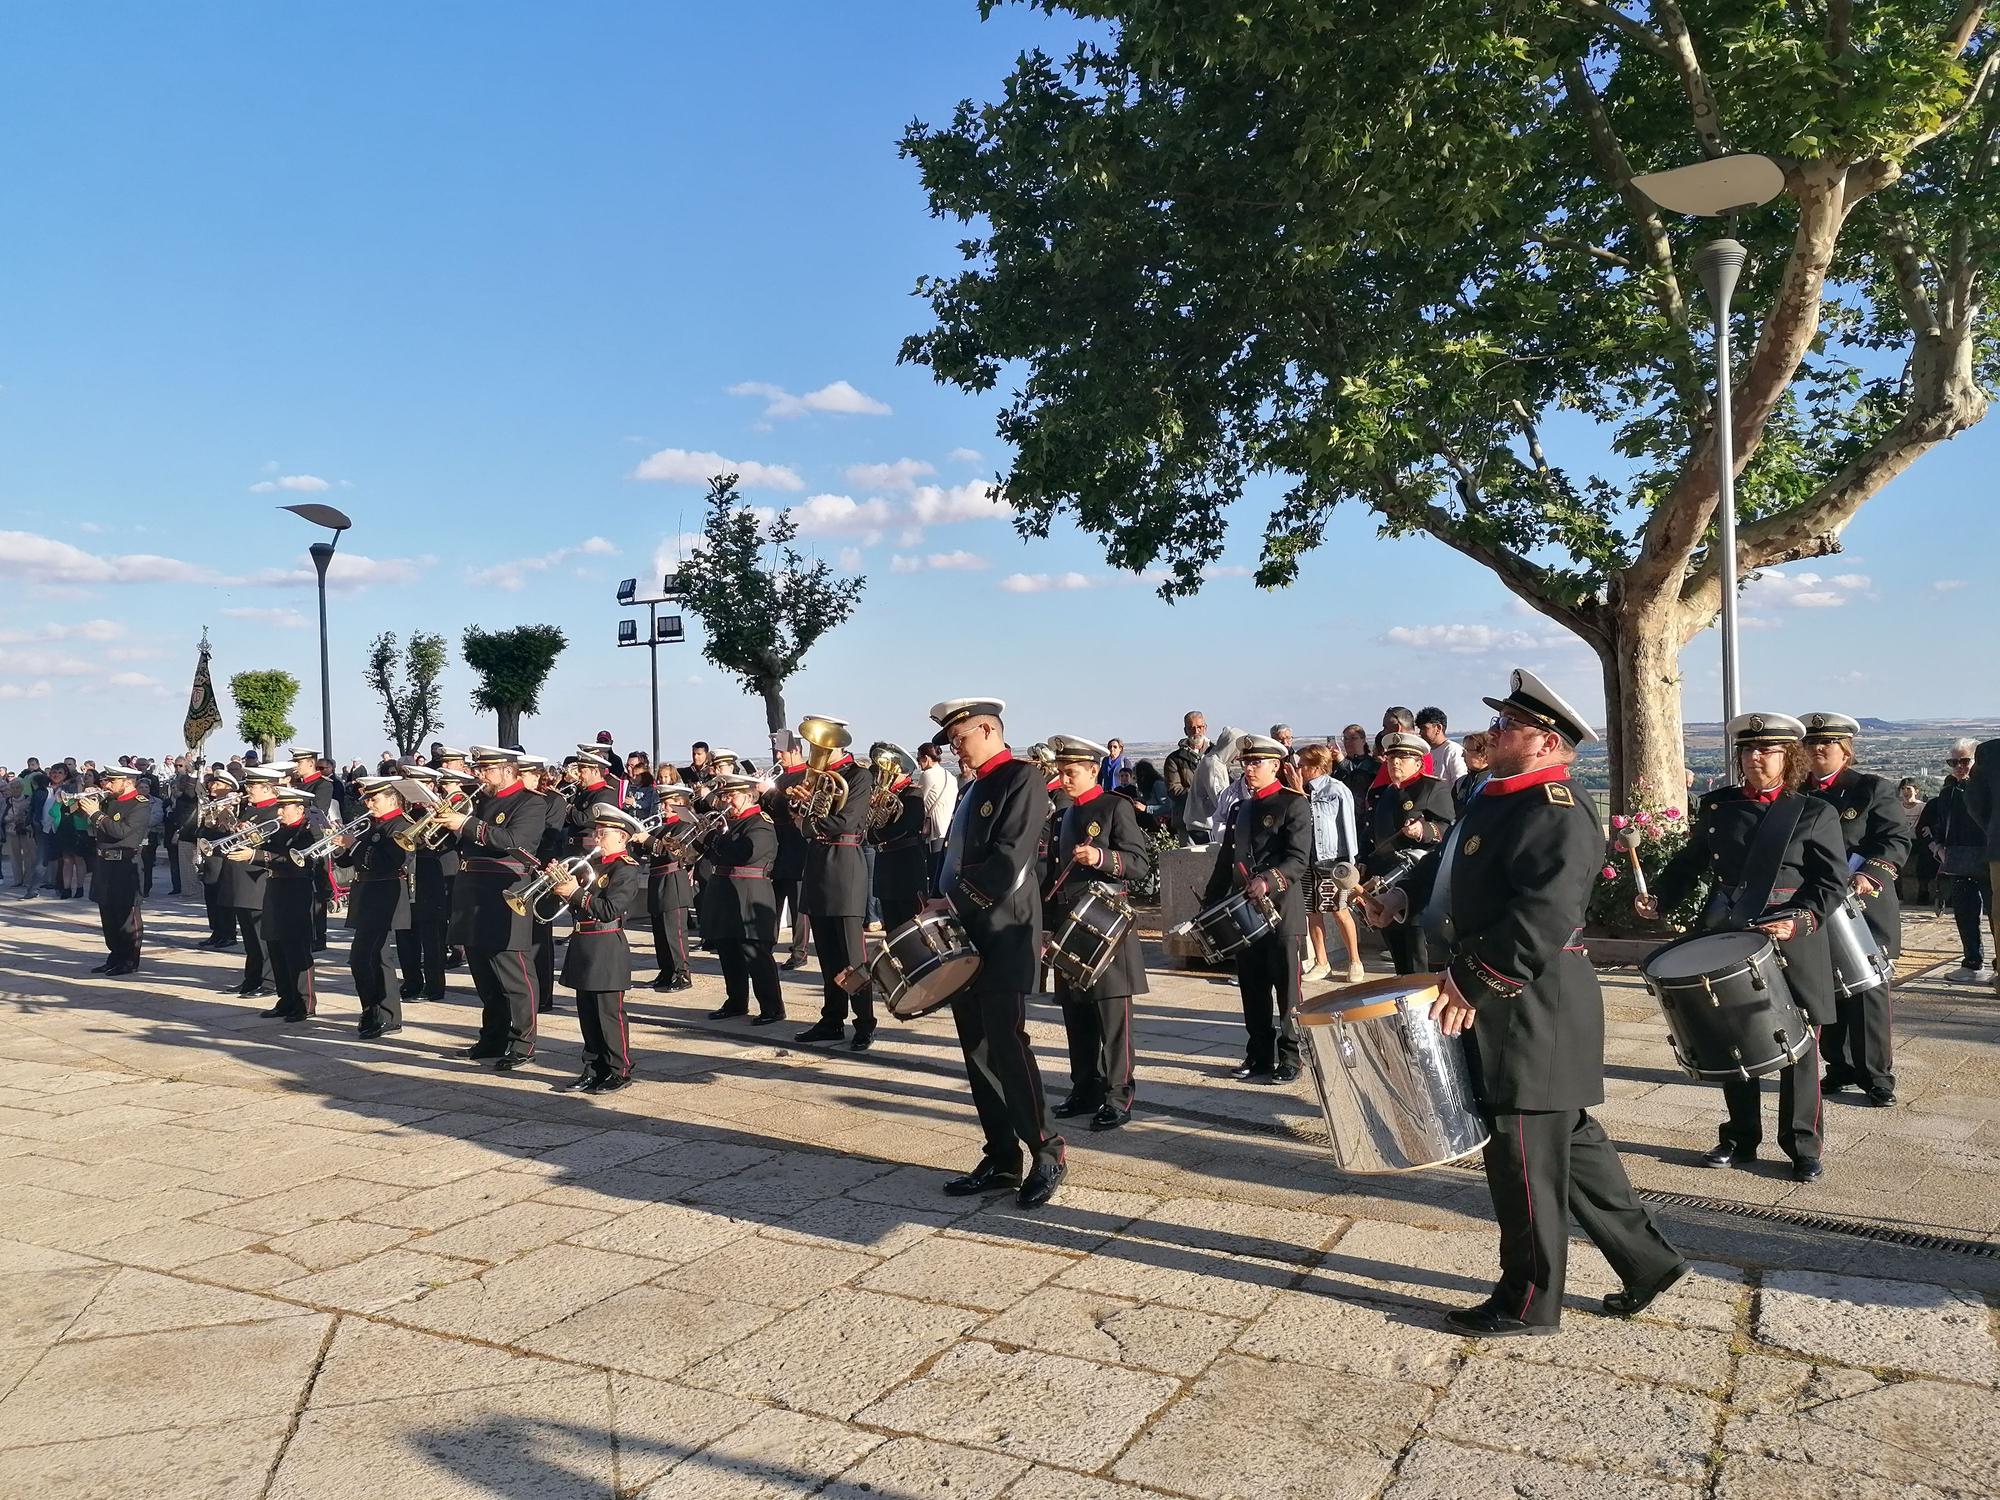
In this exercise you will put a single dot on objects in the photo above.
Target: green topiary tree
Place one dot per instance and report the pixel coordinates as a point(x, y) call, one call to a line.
point(263, 708)
point(512, 666)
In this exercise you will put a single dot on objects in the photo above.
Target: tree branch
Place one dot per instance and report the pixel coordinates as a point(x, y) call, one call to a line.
point(1611, 162)
point(1618, 21)
point(1705, 117)
point(1966, 22)
point(1564, 242)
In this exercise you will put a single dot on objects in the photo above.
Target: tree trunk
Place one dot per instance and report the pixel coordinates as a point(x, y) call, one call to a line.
point(510, 726)
point(1642, 706)
point(774, 705)
point(267, 751)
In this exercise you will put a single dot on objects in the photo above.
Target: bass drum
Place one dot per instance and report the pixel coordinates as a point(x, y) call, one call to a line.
point(922, 965)
point(1730, 1012)
point(1397, 1092)
point(1859, 965)
point(1081, 949)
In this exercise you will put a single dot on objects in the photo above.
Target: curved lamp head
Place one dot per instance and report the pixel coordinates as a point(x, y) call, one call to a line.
point(1710, 189)
point(320, 515)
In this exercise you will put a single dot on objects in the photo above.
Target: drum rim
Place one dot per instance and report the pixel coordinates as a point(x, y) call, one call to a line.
point(1356, 1002)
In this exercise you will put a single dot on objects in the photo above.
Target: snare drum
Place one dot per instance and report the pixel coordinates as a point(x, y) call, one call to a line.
point(1730, 1012)
point(1859, 965)
point(1397, 1092)
point(1232, 924)
point(922, 965)
point(1082, 948)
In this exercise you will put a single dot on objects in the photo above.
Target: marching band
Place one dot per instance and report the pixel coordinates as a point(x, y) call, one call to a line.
point(1480, 898)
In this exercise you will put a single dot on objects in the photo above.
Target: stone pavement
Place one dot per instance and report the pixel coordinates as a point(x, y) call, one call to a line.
point(246, 1259)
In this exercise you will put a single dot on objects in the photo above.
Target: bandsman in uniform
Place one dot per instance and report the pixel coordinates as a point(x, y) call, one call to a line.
point(789, 873)
point(590, 790)
point(217, 785)
point(309, 778)
point(987, 879)
point(378, 904)
point(290, 890)
point(598, 965)
point(708, 799)
point(836, 902)
point(1408, 816)
point(243, 880)
point(902, 861)
point(1265, 850)
point(497, 845)
point(741, 917)
point(1097, 841)
point(1858, 1046)
point(452, 763)
point(1791, 906)
point(421, 947)
point(558, 840)
point(119, 819)
point(1505, 901)
point(670, 891)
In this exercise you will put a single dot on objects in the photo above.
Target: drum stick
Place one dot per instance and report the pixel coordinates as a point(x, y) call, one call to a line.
point(1638, 870)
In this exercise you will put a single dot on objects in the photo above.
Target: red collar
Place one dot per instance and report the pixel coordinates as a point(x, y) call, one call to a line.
point(1269, 791)
point(749, 812)
point(262, 801)
point(840, 765)
point(1500, 786)
point(510, 788)
point(1826, 782)
point(1382, 772)
point(127, 796)
point(1000, 758)
point(1766, 797)
point(1088, 795)
point(309, 780)
point(1055, 782)
point(899, 783)
point(388, 817)
point(591, 786)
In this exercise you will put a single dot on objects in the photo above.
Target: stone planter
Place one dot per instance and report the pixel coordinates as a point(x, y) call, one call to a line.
point(1183, 874)
point(1620, 950)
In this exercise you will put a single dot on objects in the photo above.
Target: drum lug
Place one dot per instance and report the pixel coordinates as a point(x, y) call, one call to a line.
point(1348, 1055)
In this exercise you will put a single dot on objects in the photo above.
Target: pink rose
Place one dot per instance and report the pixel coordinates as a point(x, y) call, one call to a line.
point(1619, 820)
point(1609, 873)
point(1672, 812)
point(1645, 818)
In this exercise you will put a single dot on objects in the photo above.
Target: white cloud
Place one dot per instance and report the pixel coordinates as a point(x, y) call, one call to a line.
point(83, 630)
point(672, 549)
point(513, 576)
point(132, 653)
point(1213, 570)
point(903, 474)
point(348, 573)
point(832, 515)
point(959, 561)
point(850, 559)
point(963, 455)
point(1463, 640)
point(44, 560)
point(935, 505)
point(11, 692)
point(278, 619)
point(1042, 583)
point(682, 466)
point(132, 680)
point(1772, 587)
point(305, 484)
point(839, 397)
point(1947, 585)
point(902, 564)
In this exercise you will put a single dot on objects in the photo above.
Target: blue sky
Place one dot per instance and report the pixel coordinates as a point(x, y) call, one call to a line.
point(466, 271)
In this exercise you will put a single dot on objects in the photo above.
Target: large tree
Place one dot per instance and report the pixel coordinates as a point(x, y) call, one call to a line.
point(264, 707)
point(412, 710)
point(1374, 248)
point(761, 602)
point(512, 666)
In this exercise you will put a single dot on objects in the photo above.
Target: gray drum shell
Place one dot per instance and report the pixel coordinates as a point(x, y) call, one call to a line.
point(1396, 1091)
point(1859, 964)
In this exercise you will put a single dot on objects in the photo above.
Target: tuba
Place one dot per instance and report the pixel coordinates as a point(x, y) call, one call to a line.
point(891, 764)
point(823, 793)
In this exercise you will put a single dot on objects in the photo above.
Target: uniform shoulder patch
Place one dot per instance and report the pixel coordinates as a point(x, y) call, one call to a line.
point(1559, 793)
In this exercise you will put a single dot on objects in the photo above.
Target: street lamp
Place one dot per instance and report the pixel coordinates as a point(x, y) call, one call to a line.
point(322, 554)
point(660, 631)
point(1716, 189)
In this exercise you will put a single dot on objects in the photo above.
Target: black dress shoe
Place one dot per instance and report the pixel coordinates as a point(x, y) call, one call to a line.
point(796, 961)
point(819, 1031)
point(1488, 1322)
point(408, 992)
point(680, 983)
point(1110, 1117)
point(863, 1040)
point(1633, 1300)
point(728, 1013)
point(117, 969)
point(452, 961)
point(1040, 1185)
point(275, 1013)
point(1832, 1083)
point(767, 1020)
point(427, 995)
point(1074, 1107)
point(479, 1052)
point(1880, 1098)
point(988, 1177)
point(662, 982)
point(545, 1007)
point(1808, 1170)
point(584, 1082)
point(611, 1083)
point(1285, 1073)
point(296, 1018)
point(104, 967)
point(256, 991)
point(1249, 1073)
point(1723, 1154)
point(507, 1062)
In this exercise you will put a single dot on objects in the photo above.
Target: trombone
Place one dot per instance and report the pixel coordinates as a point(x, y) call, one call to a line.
point(527, 898)
point(822, 793)
point(429, 832)
point(326, 846)
point(249, 836)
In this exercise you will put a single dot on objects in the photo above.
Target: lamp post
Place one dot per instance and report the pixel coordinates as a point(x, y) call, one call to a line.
point(322, 556)
point(659, 632)
point(1720, 188)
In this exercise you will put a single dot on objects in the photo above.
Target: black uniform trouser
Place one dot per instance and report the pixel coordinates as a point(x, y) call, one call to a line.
point(148, 857)
point(607, 1042)
point(1408, 949)
point(250, 922)
point(1006, 1080)
point(1545, 1169)
point(843, 945)
point(371, 961)
point(545, 965)
point(786, 893)
point(319, 923)
point(173, 848)
point(420, 954)
point(1267, 976)
point(1100, 1046)
point(292, 970)
point(1859, 1047)
point(505, 980)
point(747, 968)
point(1798, 1108)
point(221, 919)
point(670, 944)
point(117, 889)
point(896, 910)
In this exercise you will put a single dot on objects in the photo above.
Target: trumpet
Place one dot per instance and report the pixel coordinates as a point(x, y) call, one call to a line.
point(526, 898)
point(323, 847)
point(213, 807)
point(683, 842)
point(249, 836)
point(822, 793)
point(85, 794)
point(429, 832)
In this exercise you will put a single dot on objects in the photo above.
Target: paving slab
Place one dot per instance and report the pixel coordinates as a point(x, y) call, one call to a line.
point(917, 1469)
point(1438, 1470)
point(769, 1271)
point(371, 1361)
point(136, 1301)
point(1356, 1338)
point(223, 1461)
point(965, 1271)
point(650, 1330)
point(777, 1455)
point(1853, 1320)
point(541, 1288)
point(1113, 1330)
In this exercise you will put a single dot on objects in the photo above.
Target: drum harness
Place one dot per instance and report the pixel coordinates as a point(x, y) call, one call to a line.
point(1760, 869)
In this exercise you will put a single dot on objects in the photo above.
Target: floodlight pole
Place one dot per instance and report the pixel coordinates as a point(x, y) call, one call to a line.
point(653, 656)
point(1718, 263)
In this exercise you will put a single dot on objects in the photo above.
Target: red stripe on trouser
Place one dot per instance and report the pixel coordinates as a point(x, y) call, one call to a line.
point(1131, 1083)
point(624, 1033)
point(1818, 1098)
point(312, 991)
point(534, 1000)
point(1528, 1192)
